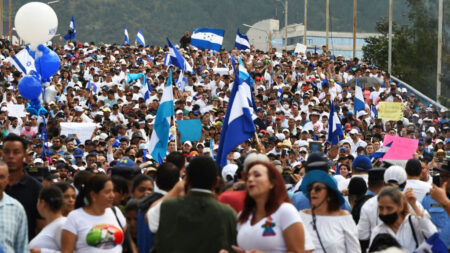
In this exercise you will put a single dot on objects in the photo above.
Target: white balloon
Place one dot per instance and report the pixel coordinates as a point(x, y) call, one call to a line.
point(36, 23)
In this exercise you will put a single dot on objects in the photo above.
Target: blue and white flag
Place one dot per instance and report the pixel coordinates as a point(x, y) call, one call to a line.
point(335, 133)
point(434, 244)
point(358, 104)
point(93, 86)
point(72, 33)
point(211, 148)
point(146, 91)
point(127, 38)
point(279, 92)
point(381, 152)
point(244, 75)
point(167, 60)
point(241, 41)
point(373, 113)
point(176, 59)
point(24, 61)
point(207, 38)
point(160, 135)
point(140, 38)
point(238, 125)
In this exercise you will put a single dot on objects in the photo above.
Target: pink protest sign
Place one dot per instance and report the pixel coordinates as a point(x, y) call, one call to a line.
point(401, 149)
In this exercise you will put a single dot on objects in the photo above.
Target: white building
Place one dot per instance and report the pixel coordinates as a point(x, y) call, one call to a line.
point(340, 43)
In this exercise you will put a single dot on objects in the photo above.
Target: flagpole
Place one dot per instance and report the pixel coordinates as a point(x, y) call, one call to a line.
point(175, 134)
point(1, 16)
point(10, 18)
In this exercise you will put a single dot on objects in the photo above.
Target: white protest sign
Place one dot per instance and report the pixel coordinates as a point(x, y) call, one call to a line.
point(221, 71)
point(300, 48)
point(16, 110)
point(82, 130)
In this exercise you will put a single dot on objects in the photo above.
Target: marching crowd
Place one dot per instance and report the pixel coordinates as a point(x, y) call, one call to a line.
point(285, 190)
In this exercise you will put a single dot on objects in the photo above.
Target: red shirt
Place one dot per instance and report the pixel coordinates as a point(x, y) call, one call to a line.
point(233, 198)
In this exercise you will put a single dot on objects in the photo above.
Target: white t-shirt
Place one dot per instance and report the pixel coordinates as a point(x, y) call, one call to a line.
point(96, 233)
point(368, 218)
point(267, 234)
point(50, 237)
point(337, 233)
point(423, 228)
point(420, 188)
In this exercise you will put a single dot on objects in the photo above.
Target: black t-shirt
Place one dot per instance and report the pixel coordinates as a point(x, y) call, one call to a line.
point(26, 191)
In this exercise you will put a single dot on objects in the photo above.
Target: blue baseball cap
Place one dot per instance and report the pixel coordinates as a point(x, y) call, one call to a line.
point(125, 168)
point(362, 163)
point(78, 153)
point(323, 177)
point(447, 140)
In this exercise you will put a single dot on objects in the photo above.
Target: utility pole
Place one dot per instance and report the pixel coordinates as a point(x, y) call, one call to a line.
point(327, 22)
point(390, 38)
point(439, 52)
point(305, 23)
point(355, 2)
point(285, 24)
point(1, 17)
point(10, 23)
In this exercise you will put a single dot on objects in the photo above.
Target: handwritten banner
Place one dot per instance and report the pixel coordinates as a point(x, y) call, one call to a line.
point(390, 111)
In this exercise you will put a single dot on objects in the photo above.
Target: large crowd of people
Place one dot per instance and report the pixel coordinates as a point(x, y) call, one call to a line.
point(285, 190)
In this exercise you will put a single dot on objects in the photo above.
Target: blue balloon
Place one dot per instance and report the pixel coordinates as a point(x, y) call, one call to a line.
point(35, 108)
point(30, 87)
point(47, 64)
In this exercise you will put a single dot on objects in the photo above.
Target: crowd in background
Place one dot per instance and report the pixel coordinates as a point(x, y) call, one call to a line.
point(279, 192)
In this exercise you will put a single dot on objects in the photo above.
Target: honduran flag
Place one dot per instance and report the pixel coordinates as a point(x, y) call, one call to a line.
point(241, 41)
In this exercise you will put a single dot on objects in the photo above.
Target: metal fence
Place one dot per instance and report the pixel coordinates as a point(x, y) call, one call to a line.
point(422, 98)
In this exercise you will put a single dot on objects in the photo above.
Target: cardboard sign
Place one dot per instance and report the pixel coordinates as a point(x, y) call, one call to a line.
point(401, 148)
point(190, 130)
point(390, 111)
point(300, 48)
point(82, 130)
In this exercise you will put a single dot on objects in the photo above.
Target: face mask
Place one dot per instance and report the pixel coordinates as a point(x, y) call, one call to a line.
point(286, 106)
point(388, 219)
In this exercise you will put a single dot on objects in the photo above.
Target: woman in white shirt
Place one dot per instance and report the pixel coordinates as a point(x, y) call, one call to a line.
point(269, 222)
point(95, 226)
point(50, 203)
point(331, 229)
point(409, 230)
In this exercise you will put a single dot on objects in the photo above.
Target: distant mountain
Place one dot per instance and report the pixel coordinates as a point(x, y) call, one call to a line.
point(103, 20)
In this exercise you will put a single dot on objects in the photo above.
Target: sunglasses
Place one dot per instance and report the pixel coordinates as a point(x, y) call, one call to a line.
point(316, 188)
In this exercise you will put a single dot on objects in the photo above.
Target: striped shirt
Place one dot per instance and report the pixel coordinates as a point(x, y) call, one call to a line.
point(13, 225)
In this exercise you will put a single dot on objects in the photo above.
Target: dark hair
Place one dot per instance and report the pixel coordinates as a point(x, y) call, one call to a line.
point(383, 241)
point(413, 167)
point(376, 178)
point(167, 175)
point(95, 183)
point(176, 158)
point(132, 205)
point(137, 180)
point(120, 184)
point(63, 186)
point(333, 200)
point(80, 178)
point(53, 196)
point(202, 173)
point(15, 137)
point(277, 195)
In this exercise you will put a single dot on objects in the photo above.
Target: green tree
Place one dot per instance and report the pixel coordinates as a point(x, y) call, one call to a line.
point(414, 49)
